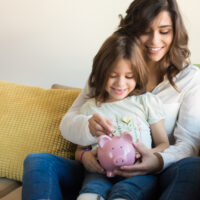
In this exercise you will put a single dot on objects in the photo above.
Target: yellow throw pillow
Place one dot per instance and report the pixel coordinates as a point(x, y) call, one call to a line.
point(29, 123)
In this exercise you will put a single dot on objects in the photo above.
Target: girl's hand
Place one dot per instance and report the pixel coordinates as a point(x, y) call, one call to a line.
point(89, 160)
point(98, 125)
point(147, 164)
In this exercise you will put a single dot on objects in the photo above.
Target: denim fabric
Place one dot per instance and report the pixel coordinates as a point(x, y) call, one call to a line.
point(181, 180)
point(138, 187)
point(47, 176)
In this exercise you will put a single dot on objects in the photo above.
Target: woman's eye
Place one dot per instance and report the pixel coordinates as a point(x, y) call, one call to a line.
point(164, 32)
point(113, 76)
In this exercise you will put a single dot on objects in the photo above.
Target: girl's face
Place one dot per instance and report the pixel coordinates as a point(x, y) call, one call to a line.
point(158, 37)
point(121, 81)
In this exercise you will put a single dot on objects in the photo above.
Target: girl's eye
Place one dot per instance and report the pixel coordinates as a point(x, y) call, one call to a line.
point(113, 75)
point(116, 76)
point(130, 77)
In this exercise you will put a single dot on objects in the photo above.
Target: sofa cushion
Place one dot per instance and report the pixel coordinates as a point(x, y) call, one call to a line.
point(29, 122)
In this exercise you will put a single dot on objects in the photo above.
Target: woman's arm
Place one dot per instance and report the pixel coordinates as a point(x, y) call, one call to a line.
point(187, 130)
point(160, 137)
point(81, 129)
point(149, 163)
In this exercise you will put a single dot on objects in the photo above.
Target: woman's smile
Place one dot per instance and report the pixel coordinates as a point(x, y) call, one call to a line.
point(154, 50)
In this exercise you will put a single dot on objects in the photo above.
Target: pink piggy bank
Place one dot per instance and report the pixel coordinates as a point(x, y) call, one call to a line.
point(115, 151)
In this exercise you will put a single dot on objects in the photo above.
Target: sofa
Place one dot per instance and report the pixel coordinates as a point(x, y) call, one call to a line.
point(29, 123)
point(27, 114)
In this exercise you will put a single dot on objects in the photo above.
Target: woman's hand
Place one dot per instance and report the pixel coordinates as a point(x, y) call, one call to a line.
point(148, 163)
point(89, 160)
point(99, 125)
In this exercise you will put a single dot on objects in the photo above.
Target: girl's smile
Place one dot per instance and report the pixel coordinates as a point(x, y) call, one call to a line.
point(119, 91)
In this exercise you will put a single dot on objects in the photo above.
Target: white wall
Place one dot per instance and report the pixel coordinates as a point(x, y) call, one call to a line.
point(53, 41)
point(190, 10)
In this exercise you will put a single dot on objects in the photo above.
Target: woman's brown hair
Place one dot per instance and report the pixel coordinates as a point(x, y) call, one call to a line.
point(139, 17)
point(117, 46)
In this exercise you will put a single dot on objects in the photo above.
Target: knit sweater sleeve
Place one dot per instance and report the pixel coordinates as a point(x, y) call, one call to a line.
point(74, 125)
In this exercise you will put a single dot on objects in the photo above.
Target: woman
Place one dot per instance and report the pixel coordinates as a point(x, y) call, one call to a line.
point(159, 26)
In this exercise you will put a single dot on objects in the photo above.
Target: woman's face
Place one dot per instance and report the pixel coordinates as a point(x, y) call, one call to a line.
point(158, 37)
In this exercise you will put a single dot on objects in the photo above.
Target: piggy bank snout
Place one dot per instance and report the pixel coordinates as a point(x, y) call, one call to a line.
point(119, 161)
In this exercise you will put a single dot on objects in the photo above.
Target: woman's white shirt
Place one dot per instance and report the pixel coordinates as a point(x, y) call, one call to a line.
point(182, 116)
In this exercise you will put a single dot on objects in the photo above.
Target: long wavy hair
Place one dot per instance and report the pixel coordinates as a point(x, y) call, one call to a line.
point(117, 46)
point(139, 17)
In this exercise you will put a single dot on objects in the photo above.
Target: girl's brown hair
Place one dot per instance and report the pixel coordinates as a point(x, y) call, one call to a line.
point(139, 17)
point(117, 46)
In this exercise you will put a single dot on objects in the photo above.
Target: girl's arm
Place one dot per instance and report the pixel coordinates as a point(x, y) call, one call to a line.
point(159, 136)
point(80, 150)
point(88, 159)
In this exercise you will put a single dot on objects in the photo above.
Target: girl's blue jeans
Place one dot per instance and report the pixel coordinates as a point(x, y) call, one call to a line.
point(47, 176)
point(136, 187)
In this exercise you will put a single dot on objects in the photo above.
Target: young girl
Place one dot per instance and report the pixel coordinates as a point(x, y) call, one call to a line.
point(119, 79)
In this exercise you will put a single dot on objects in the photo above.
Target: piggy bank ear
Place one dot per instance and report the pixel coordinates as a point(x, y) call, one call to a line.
point(127, 136)
point(103, 139)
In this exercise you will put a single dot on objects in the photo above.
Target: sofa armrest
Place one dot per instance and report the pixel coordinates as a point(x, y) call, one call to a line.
point(14, 195)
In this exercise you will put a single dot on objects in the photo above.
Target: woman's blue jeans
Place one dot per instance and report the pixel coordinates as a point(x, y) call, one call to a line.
point(51, 177)
point(181, 180)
